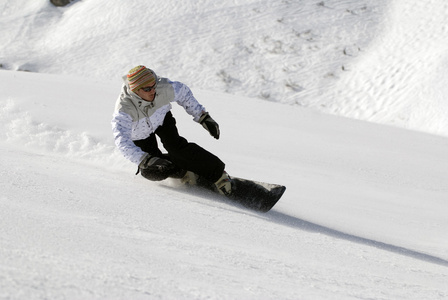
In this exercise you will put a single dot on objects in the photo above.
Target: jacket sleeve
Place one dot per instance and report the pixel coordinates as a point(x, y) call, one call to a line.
point(122, 130)
point(184, 97)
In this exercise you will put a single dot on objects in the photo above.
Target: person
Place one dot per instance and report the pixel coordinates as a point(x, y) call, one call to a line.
point(143, 110)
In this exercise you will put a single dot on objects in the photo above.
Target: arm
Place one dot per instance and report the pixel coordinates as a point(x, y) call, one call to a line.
point(122, 129)
point(184, 97)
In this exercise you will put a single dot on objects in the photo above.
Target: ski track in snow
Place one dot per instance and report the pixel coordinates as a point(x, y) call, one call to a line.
point(400, 82)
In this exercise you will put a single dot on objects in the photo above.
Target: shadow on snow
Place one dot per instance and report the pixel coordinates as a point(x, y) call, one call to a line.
point(294, 222)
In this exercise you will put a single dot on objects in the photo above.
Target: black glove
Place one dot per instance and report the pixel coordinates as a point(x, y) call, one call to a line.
point(155, 168)
point(210, 125)
point(156, 163)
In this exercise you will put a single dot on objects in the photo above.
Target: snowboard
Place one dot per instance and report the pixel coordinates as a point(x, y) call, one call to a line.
point(254, 195)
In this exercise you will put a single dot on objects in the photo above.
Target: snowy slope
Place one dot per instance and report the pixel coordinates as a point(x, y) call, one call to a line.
point(380, 61)
point(364, 215)
point(402, 79)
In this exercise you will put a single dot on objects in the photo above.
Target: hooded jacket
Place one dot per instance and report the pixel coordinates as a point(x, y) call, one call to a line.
point(136, 119)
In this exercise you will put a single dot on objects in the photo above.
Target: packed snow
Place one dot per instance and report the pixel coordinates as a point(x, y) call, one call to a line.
point(343, 102)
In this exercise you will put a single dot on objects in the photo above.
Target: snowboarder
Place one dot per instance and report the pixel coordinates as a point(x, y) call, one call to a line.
point(143, 110)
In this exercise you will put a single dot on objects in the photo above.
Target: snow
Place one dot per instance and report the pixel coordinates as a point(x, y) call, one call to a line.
point(364, 213)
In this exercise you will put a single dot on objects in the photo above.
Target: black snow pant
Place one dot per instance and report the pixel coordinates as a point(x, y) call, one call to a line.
point(185, 156)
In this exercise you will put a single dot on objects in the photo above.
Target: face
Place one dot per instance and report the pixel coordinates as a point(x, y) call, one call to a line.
point(147, 93)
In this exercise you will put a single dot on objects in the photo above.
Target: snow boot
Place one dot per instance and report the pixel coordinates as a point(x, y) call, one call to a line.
point(224, 184)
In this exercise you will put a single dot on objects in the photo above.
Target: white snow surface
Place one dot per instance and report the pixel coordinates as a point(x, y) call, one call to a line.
point(364, 213)
point(382, 61)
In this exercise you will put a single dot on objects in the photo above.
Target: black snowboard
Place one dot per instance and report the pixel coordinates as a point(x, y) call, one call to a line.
point(258, 196)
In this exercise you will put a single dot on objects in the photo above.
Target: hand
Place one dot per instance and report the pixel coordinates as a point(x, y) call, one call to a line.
point(154, 162)
point(210, 125)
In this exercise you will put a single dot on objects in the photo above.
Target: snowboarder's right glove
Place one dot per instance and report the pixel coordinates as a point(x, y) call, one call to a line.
point(210, 125)
point(155, 163)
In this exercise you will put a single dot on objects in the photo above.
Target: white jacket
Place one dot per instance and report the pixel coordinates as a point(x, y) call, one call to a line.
point(136, 119)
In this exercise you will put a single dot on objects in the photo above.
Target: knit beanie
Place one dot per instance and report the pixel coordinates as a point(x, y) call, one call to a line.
point(141, 76)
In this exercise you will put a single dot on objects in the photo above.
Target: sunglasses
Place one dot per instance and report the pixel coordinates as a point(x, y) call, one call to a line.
point(149, 88)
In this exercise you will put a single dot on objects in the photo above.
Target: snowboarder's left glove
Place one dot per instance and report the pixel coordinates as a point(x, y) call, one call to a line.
point(210, 125)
